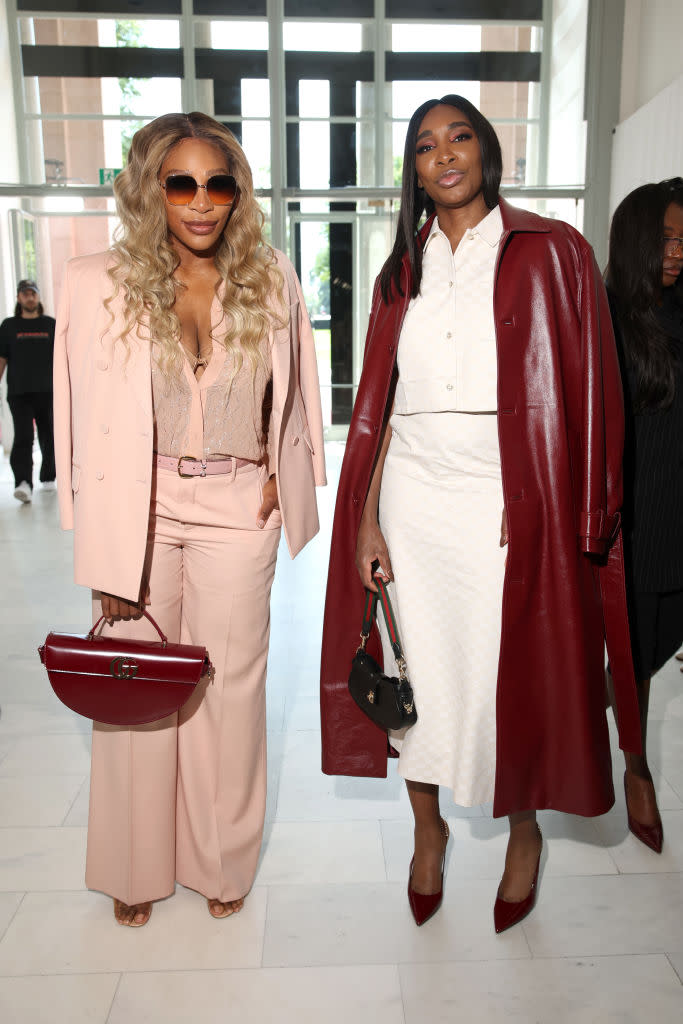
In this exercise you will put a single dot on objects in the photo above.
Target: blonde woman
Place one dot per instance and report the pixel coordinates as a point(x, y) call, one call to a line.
point(188, 431)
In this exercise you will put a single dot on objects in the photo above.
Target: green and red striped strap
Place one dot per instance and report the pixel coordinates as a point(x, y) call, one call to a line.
point(369, 612)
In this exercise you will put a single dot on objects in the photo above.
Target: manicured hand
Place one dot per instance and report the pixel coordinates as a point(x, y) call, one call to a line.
point(119, 608)
point(270, 501)
point(371, 548)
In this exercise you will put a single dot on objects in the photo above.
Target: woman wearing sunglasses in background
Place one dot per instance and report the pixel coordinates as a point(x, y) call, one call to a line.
point(643, 283)
point(188, 429)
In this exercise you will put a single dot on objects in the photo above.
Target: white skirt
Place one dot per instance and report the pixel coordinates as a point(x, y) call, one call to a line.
point(441, 503)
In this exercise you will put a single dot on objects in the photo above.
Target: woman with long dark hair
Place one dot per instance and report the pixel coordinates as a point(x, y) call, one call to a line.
point(643, 275)
point(185, 380)
point(482, 478)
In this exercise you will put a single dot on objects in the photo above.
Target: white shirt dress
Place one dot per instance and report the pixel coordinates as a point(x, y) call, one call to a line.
point(441, 503)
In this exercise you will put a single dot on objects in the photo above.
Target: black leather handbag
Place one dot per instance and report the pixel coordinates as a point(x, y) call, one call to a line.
point(387, 700)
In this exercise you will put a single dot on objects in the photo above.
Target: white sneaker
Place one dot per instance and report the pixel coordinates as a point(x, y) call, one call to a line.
point(50, 485)
point(23, 492)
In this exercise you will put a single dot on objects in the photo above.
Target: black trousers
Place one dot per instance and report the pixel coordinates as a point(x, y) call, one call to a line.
point(25, 409)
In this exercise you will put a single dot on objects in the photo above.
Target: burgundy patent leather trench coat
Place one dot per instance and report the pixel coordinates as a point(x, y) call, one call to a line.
point(560, 427)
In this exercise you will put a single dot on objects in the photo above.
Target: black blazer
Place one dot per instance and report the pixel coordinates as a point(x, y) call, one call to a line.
point(653, 472)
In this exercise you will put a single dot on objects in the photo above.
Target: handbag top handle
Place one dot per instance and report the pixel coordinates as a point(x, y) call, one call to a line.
point(369, 612)
point(164, 639)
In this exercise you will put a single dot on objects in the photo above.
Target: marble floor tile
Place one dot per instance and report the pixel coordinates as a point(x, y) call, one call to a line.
point(42, 859)
point(27, 719)
point(24, 681)
point(676, 960)
point(312, 796)
point(607, 915)
point(9, 904)
point(672, 771)
point(628, 989)
point(75, 933)
point(6, 744)
point(48, 755)
point(79, 999)
point(351, 924)
point(77, 814)
point(337, 995)
point(309, 853)
point(302, 712)
point(37, 800)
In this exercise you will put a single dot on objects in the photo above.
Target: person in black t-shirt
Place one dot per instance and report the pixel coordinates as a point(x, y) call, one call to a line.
point(26, 344)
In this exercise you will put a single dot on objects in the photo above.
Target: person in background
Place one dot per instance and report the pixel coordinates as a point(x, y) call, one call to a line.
point(188, 433)
point(26, 350)
point(643, 281)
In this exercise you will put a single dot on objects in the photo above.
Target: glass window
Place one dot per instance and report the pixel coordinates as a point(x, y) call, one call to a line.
point(143, 97)
point(323, 36)
point(255, 97)
point(237, 34)
point(149, 32)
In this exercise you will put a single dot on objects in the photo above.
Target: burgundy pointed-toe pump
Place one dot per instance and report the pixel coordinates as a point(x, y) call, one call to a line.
point(506, 914)
point(425, 905)
point(651, 835)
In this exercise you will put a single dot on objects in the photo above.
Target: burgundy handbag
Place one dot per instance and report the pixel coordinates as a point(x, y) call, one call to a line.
point(119, 681)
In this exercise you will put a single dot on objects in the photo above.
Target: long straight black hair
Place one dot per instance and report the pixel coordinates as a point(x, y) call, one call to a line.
point(634, 278)
point(415, 201)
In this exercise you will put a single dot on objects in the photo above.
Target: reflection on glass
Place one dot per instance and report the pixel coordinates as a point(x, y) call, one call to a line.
point(255, 97)
point(100, 31)
point(140, 97)
point(256, 145)
point(314, 98)
point(568, 210)
point(449, 38)
point(435, 38)
point(72, 152)
point(323, 36)
point(314, 154)
point(239, 35)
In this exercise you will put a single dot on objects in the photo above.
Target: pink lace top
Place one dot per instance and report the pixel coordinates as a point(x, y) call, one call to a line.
point(213, 417)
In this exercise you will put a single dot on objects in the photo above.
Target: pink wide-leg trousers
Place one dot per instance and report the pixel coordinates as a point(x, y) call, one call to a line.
point(184, 799)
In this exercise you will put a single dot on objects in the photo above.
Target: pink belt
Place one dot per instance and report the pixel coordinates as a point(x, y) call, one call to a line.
point(187, 465)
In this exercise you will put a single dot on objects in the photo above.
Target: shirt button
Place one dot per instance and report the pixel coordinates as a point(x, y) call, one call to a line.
point(105, 428)
point(449, 334)
point(449, 387)
point(450, 284)
point(295, 440)
point(102, 364)
point(99, 474)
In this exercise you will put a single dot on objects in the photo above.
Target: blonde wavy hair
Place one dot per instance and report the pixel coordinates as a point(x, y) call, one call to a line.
point(145, 261)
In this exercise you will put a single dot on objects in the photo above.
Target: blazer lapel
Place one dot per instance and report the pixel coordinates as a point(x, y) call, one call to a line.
point(131, 359)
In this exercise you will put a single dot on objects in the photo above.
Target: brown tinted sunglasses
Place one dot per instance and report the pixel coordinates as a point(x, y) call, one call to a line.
point(180, 189)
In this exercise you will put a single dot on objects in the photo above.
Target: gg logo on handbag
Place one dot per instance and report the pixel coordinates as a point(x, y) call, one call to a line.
point(122, 681)
point(123, 668)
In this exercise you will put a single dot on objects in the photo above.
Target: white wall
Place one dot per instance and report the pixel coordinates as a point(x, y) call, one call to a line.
point(648, 141)
point(652, 53)
point(648, 146)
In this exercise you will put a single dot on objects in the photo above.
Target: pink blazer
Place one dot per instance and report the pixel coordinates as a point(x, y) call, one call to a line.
point(104, 427)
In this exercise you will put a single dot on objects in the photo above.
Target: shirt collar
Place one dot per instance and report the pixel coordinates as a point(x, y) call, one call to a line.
point(489, 229)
